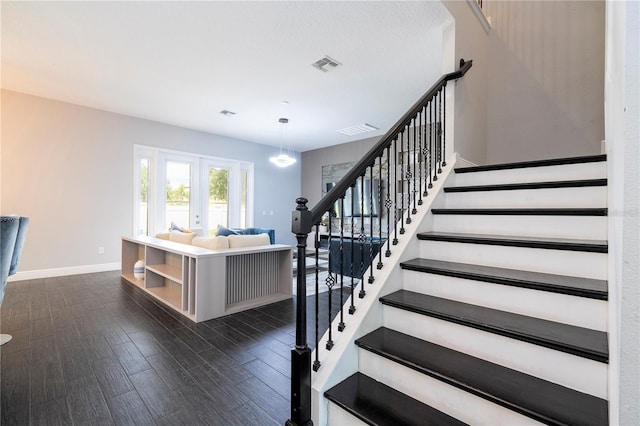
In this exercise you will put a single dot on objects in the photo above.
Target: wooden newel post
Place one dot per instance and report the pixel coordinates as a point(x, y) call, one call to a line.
point(301, 354)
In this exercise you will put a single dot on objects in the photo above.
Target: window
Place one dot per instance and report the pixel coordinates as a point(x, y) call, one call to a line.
point(218, 198)
point(143, 196)
point(197, 192)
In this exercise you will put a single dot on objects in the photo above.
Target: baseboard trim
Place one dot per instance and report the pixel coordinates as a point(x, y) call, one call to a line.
point(61, 272)
point(465, 163)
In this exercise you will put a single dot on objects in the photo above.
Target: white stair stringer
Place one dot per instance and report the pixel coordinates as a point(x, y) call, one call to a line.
point(564, 308)
point(455, 402)
point(578, 227)
point(550, 261)
point(342, 360)
point(575, 372)
point(596, 170)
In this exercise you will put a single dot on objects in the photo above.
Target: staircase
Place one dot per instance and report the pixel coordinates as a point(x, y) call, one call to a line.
point(502, 319)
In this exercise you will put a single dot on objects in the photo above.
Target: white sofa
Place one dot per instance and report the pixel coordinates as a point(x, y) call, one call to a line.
point(219, 242)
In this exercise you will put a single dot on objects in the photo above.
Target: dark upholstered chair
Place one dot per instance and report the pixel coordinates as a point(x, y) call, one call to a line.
point(13, 230)
point(365, 250)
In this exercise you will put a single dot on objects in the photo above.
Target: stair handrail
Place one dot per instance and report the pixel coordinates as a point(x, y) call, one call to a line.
point(303, 220)
point(360, 167)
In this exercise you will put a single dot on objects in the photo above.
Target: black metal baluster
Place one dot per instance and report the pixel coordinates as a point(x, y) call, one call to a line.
point(427, 147)
point(388, 203)
point(361, 237)
point(407, 175)
point(402, 174)
point(395, 191)
point(341, 324)
point(425, 150)
point(440, 153)
point(444, 124)
point(379, 207)
point(316, 363)
point(415, 170)
point(420, 158)
point(352, 308)
point(330, 282)
point(434, 148)
point(371, 256)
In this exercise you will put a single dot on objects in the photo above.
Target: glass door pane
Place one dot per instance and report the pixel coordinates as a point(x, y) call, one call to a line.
point(178, 197)
point(218, 204)
point(243, 200)
point(143, 198)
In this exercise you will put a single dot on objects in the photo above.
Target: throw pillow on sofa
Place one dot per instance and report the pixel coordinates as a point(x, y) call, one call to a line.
point(224, 231)
point(175, 227)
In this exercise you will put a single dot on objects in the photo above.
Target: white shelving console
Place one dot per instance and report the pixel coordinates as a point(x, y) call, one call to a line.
point(202, 284)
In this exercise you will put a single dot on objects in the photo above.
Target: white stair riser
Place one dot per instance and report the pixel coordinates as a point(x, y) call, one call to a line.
point(534, 174)
point(573, 310)
point(580, 227)
point(568, 370)
point(560, 262)
point(339, 417)
point(594, 197)
point(455, 402)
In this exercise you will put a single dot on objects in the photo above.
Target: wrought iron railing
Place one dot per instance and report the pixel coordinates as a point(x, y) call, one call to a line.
point(365, 214)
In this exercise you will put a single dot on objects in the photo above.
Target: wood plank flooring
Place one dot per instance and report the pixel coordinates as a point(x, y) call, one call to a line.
point(93, 350)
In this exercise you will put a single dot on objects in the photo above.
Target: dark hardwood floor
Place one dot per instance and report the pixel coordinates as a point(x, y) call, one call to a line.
point(91, 350)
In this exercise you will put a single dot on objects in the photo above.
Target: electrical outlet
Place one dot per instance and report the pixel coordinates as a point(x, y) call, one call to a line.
point(100, 250)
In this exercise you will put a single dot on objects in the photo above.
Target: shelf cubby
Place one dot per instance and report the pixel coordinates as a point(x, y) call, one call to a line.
point(194, 281)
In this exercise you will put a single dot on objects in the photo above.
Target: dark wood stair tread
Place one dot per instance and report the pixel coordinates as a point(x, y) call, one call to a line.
point(596, 246)
point(583, 342)
point(535, 163)
point(533, 397)
point(529, 185)
point(576, 286)
point(524, 212)
point(378, 404)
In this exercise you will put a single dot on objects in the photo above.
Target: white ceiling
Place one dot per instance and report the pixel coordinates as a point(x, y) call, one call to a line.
point(183, 62)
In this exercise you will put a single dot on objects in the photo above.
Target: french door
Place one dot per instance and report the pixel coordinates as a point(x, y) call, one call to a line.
point(195, 192)
point(179, 191)
point(225, 195)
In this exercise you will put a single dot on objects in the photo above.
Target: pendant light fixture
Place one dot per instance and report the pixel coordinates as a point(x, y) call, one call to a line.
point(283, 159)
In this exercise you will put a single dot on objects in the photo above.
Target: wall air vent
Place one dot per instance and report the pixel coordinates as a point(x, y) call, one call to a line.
point(325, 64)
point(227, 113)
point(355, 130)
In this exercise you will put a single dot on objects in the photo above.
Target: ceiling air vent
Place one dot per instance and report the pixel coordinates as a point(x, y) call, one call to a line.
point(325, 64)
point(227, 113)
point(355, 130)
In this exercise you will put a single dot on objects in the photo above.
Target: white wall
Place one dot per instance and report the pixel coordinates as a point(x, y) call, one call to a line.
point(70, 168)
point(471, 91)
point(545, 92)
point(536, 86)
point(622, 91)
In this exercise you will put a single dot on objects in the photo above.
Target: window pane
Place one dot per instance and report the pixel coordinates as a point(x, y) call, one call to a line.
point(178, 200)
point(218, 198)
point(243, 199)
point(143, 198)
